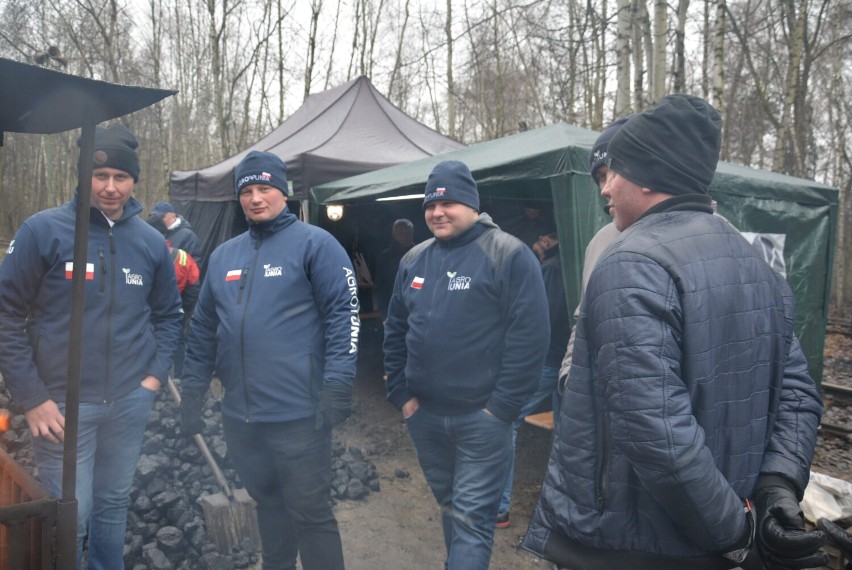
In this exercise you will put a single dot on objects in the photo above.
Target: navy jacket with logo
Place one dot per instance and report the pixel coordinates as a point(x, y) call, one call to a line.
point(131, 320)
point(277, 317)
point(468, 324)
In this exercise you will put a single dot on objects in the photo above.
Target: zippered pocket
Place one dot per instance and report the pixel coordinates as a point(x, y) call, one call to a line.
point(102, 270)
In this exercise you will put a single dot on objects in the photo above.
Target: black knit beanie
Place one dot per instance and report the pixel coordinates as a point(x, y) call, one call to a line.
point(115, 147)
point(452, 181)
point(599, 151)
point(259, 167)
point(672, 147)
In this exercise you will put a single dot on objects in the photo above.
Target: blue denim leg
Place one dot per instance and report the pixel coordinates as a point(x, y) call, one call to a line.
point(286, 468)
point(546, 391)
point(464, 460)
point(109, 439)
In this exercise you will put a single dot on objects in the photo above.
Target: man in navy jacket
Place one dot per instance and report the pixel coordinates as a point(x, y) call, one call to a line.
point(465, 341)
point(277, 320)
point(131, 325)
point(689, 420)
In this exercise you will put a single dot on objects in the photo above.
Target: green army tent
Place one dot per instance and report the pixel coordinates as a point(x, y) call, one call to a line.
point(794, 219)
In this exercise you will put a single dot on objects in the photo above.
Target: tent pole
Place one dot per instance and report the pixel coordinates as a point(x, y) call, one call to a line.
point(67, 508)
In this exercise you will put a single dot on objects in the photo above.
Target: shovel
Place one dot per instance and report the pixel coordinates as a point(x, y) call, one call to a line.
point(230, 516)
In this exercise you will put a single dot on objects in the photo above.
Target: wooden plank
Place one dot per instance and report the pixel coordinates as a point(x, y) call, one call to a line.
point(543, 420)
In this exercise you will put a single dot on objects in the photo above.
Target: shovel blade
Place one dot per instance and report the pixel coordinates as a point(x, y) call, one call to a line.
point(231, 522)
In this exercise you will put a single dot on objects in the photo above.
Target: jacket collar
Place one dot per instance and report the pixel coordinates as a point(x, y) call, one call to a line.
point(688, 202)
point(131, 209)
point(275, 225)
point(480, 226)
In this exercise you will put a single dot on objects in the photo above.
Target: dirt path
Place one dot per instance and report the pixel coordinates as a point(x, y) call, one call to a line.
point(399, 527)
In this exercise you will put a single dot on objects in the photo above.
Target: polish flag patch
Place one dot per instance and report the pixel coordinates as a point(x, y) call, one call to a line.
point(417, 283)
point(233, 275)
point(90, 270)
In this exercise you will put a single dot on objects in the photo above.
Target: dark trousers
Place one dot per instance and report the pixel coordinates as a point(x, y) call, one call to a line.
point(286, 468)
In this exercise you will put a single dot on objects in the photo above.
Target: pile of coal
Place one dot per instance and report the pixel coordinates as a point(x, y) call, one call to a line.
point(165, 524)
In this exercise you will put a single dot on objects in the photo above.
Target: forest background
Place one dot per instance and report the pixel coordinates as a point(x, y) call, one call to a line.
point(779, 71)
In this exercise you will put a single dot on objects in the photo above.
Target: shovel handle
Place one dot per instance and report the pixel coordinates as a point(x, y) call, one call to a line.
point(205, 451)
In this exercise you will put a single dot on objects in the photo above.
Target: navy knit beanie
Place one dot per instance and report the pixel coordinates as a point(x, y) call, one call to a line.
point(115, 147)
point(259, 167)
point(672, 147)
point(599, 151)
point(452, 181)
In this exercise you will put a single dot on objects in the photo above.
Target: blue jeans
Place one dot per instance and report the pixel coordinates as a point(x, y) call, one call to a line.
point(109, 440)
point(286, 468)
point(464, 460)
point(546, 391)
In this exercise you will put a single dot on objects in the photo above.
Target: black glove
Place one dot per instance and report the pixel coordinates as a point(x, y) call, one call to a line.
point(781, 535)
point(837, 536)
point(190, 412)
point(335, 403)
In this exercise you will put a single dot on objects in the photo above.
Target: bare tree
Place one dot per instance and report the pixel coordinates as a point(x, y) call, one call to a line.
point(400, 44)
point(643, 53)
point(623, 103)
point(451, 96)
point(658, 68)
point(679, 75)
point(719, 58)
point(777, 70)
point(316, 7)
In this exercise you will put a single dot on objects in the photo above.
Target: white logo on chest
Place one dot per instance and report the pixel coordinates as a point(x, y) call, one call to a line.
point(457, 282)
point(132, 278)
point(269, 271)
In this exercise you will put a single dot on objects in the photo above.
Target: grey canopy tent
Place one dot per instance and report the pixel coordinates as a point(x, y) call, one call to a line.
point(337, 133)
point(42, 101)
point(797, 217)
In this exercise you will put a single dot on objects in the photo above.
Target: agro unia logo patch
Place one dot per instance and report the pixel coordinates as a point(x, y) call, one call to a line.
point(457, 282)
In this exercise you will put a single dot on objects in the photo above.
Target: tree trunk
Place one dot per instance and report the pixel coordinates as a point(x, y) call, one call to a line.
point(680, 57)
point(719, 57)
point(316, 7)
point(787, 156)
point(658, 68)
point(622, 50)
point(451, 88)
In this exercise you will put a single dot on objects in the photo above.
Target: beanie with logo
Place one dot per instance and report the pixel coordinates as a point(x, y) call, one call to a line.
point(115, 147)
point(452, 181)
point(259, 167)
point(599, 151)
